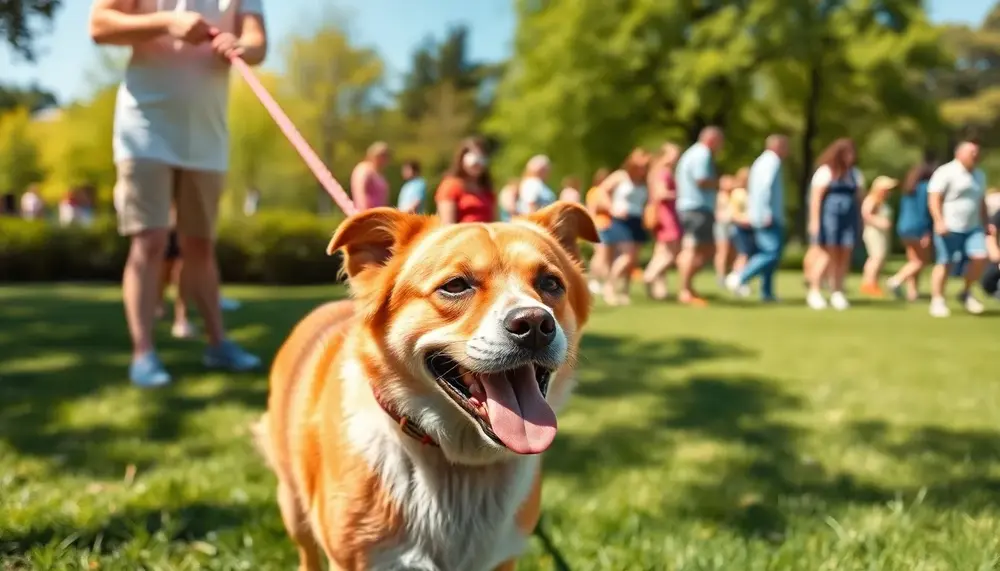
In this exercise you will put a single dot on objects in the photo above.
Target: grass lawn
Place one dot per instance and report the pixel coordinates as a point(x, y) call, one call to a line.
point(733, 437)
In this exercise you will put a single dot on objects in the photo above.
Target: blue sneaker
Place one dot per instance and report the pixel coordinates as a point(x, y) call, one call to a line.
point(147, 371)
point(230, 356)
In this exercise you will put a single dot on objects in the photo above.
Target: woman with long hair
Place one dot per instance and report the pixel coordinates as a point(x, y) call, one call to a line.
point(466, 192)
point(600, 210)
point(626, 192)
point(836, 191)
point(369, 188)
point(877, 234)
point(667, 227)
point(914, 228)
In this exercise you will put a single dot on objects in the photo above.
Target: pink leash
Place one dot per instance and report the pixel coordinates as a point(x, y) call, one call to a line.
point(312, 160)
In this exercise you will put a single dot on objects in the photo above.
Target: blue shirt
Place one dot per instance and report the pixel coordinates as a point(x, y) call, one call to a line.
point(695, 164)
point(766, 191)
point(412, 191)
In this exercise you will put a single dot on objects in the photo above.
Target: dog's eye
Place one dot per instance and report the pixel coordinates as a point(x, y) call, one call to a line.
point(455, 286)
point(550, 284)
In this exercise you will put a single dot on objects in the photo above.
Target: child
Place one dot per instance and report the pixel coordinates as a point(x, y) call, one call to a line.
point(877, 217)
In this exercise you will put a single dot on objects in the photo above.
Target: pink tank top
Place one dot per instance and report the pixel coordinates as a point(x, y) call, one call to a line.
point(376, 188)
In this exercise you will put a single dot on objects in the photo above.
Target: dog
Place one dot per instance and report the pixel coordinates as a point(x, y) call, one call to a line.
point(405, 425)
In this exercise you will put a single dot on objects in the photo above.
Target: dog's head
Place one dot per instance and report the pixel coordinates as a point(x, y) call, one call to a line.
point(472, 328)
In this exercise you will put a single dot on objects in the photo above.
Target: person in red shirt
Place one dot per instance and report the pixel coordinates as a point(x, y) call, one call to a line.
point(466, 193)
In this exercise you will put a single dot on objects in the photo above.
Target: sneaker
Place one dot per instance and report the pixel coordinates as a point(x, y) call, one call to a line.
point(230, 356)
point(973, 305)
point(184, 330)
point(743, 291)
point(939, 307)
point(815, 300)
point(839, 301)
point(733, 283)
point(147, 371)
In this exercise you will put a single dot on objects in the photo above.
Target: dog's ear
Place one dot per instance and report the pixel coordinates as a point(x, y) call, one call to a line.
point(370, 239)
point(568, 222)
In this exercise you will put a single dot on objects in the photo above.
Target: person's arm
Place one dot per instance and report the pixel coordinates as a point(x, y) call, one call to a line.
point(704, 176)
point(251, 42)
point(936, 188)
point(114, 22)
point(820, 184)
point(446, 198)
point(870, 215)
point(359, 182)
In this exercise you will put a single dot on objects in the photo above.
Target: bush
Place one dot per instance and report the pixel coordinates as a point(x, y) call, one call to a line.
point(272, 247)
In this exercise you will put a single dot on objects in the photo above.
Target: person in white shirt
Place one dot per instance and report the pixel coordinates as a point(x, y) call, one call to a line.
point(532, 192)
point(834, 218)
point(955, 197)
point(171, 143)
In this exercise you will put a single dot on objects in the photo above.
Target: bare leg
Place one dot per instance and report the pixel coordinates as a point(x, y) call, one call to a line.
point(621, 269)
point(140, 286)
point(722, 253)
point(200, 280)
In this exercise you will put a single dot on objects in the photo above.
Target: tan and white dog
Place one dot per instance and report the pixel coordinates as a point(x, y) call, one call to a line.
point(405, 426)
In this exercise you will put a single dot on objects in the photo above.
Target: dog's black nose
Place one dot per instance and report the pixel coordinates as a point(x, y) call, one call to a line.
point(532, 328)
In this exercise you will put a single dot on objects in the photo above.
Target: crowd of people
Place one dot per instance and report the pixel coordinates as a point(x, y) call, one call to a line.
point(698, 217)
point(170, 142)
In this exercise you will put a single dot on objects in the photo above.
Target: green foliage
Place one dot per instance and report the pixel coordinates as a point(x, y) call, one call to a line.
point(19, 161)
point(33, 98)
point(272, 247)
point(18, 19)
point(722, 439)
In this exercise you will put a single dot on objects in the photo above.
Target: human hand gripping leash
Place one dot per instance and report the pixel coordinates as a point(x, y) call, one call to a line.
point(312, 160)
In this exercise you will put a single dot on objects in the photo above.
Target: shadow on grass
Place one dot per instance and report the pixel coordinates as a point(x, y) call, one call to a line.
point(57, 351)
point(756, 475)
point(188, 523)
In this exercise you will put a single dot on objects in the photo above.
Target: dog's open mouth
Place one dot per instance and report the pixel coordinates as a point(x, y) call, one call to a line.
point(509, 405)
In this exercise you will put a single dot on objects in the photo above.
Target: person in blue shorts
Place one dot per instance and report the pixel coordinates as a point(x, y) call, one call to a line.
point(956, 194)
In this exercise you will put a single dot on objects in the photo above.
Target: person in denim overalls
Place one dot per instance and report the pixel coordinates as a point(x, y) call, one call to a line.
point(834, 218)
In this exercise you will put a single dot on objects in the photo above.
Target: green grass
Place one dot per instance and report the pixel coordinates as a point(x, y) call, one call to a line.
point(732, 438)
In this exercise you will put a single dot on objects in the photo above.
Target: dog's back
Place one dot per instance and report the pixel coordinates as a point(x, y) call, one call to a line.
point(318, 336)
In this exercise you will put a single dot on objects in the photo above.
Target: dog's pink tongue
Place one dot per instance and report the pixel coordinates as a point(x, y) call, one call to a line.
point(519, 415)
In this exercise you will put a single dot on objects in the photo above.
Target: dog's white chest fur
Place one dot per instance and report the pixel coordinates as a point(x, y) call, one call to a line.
point(456, 518)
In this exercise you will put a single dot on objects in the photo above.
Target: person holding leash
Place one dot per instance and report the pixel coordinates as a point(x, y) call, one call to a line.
point(171, 146)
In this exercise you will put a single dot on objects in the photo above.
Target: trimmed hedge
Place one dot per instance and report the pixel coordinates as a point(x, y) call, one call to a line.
point(270, 248)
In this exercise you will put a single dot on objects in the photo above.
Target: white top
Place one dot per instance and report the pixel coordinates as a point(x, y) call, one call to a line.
point(963, 195)
point(630, 197)
point(172, 104)
point(533, 191)
point(824, 176)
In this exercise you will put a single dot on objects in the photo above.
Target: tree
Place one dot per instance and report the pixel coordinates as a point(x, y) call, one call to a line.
point(16, 19)
point(32, 98)
point(19, 165)
point(588, 81)
point(337, 87)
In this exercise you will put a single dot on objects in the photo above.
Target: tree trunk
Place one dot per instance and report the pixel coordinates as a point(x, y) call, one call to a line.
point(809, 132)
